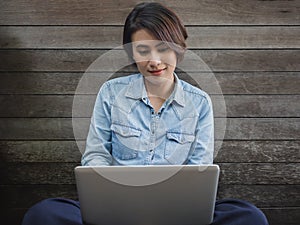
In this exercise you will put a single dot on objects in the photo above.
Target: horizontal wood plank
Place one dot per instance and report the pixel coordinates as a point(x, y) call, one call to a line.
point(24, 196)
point(261, 129)
point(262, 195)
point(237, 12)
point(258, 151)
point(266, 37)
point(259, 173)
point(258, 105)
point(41, 83)
point(61, 128)
point(41, 151)
point(230, 151)
point(103, 37)
point(82, 106)
point(197, 60)
point(66, 83)
point(259, 83)
point(282, 216)
point(231, 173)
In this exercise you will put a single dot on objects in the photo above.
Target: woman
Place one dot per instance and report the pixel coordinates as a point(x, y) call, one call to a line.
point(149, 118)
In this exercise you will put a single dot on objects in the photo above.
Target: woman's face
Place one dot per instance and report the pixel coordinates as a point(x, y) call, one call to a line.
point(153, 57)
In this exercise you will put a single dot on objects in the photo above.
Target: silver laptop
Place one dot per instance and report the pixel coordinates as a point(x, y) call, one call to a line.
point(147, 195)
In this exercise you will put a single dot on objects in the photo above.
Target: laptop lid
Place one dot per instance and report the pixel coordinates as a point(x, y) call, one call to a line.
point(147, 195)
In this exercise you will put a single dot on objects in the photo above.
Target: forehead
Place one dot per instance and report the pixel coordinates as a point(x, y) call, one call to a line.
point(143, 38)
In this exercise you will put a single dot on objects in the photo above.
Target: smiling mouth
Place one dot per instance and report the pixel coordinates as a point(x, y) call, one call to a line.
point(157, 72)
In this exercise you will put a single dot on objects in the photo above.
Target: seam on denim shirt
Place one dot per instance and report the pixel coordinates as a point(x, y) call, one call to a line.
point(125, 125)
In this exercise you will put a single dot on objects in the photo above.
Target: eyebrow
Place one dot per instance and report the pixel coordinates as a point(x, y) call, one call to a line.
point(161, 43)
point(142, 46)
point(146, 46)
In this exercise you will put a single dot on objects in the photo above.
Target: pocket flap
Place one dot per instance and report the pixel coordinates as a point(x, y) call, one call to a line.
point(180, 137)
point(125, 131)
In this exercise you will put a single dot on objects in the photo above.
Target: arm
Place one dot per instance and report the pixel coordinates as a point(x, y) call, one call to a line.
point(204, 141)
point(98, 143)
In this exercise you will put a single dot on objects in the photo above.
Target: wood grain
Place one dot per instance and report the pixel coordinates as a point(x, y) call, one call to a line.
point(210, 60)
point(258, 151)
point(62, 105)
point(252, 47)
point(103, 37)
point(282, 216)
point(193, 12)
point(61, 128)
point(262, 129)
point(230, 151)
point(262, 195)
point(231, 173)
point(41, 151)
point(230, 82)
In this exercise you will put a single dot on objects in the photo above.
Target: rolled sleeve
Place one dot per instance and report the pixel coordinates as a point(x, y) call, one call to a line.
point(203, 148)
point(98, 143)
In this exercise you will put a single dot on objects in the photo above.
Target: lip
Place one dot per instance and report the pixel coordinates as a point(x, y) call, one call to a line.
point(156, 72)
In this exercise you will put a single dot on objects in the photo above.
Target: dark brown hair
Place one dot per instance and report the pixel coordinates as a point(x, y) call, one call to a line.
point(160, 21)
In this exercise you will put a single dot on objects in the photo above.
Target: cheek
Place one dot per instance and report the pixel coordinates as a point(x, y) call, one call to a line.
point(170, 59)
point(141, 65)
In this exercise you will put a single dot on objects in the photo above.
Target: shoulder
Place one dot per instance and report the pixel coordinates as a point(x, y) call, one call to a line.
point(194, 92)
point(116, 84)
point(123, 79)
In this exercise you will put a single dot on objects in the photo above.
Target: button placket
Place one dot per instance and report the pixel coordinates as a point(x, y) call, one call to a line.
point(153, 135)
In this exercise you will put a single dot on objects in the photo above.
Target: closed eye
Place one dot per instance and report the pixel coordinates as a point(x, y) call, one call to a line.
point(143, 52)
point(163, 49)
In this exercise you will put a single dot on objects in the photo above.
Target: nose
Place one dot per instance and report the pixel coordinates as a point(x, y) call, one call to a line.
point(155, 60)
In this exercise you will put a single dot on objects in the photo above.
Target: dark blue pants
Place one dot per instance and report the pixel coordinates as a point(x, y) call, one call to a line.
point(59, 211)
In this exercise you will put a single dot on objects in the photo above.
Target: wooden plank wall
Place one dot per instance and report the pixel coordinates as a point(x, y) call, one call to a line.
point(253, 48)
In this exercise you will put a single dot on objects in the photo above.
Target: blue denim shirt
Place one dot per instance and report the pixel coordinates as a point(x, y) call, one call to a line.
point(125, 129)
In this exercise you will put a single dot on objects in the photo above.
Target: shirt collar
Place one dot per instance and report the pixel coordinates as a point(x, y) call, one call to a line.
point(178, 93)
point(137, 90)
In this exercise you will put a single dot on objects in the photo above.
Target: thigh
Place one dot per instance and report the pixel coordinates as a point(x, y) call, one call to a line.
point(237, 212)
point(58, 211)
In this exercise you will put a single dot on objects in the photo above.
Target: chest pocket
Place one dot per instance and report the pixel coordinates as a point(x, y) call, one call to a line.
point(178, 146)
point(125, 142)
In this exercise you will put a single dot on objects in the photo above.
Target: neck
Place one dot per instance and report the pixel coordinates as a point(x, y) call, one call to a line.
point(159, 87)
point(158, 90)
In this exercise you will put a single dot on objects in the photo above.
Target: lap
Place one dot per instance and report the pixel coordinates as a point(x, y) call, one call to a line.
point(62, 211)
